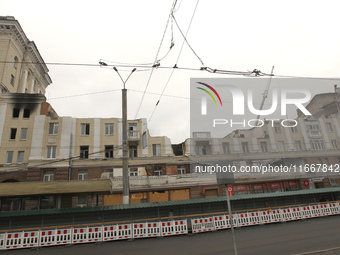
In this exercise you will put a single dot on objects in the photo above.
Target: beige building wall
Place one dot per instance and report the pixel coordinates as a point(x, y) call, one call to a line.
point(17, 53)
point(14, 127)
point(50, 137)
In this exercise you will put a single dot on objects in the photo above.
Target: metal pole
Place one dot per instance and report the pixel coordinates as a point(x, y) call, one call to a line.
point(126, 196)
point(126, 185)
point(231, 220)
point(70, 160)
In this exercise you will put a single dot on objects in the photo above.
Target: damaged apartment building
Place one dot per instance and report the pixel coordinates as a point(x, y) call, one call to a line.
point(48, 161)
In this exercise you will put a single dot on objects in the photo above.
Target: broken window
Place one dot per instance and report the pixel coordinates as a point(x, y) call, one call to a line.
point(13, 133)
point(16, 112)
point(108, 151)
point(27, 113)
point(84, 152)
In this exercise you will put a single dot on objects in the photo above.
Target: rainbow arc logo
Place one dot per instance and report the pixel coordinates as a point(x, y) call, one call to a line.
point(209, 93)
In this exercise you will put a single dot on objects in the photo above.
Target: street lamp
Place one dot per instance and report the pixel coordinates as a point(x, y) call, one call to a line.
point(126, 185)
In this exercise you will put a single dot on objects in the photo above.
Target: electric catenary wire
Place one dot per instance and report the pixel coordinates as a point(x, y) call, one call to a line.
point(180, 52)
point(156, 62)
point(254, 73)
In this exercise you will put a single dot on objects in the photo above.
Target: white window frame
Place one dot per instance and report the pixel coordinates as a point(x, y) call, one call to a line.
point(21, 156)
point(9, 156)
point(84, 129)
point(158, 171)
point(82, 175)
point(156, 150)
point(180, 170)
point(51, 152)
point(23, 135)
point(133, 172)
point(132, 126)
point(109, 129)
point(133, 151)
point(48, 176)
point(53, 128)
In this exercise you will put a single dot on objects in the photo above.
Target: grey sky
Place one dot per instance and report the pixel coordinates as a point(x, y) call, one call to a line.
point(299, 38)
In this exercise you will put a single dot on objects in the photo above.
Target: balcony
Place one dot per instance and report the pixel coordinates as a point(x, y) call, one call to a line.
point(133, 136)
point(201, 136)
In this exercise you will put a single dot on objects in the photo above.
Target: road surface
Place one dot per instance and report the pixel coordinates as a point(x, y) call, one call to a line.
point(279, 238)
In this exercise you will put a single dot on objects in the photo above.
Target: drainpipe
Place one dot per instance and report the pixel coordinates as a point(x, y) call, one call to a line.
point(70, 160)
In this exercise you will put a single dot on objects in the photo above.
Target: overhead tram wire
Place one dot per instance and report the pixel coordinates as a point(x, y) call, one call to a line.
point(85, 94)
point(185, 36)
point(255, 72)
point(180, 52)
point(156, 62)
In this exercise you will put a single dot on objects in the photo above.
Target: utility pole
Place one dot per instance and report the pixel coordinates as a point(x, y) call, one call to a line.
point(231, 219)
point(126, 184)
point(70, 158)
point(227, 178)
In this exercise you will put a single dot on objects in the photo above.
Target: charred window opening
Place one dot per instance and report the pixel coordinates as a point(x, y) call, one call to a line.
point(13, 133)
point(27, 113)
point(16, 112)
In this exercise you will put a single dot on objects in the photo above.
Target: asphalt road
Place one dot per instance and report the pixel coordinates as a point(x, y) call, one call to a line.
point(280, 238)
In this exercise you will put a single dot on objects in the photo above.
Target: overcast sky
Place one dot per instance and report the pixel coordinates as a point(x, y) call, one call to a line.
point(299, 38)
